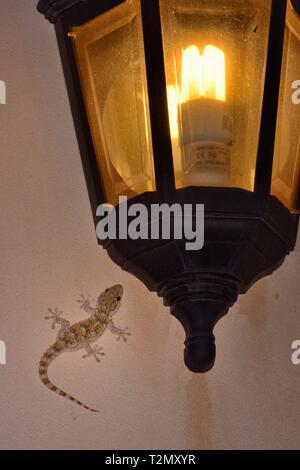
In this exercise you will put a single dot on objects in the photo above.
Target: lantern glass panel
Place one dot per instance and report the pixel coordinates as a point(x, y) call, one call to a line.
point(215, 59)
point(111, 63)
point(286, 168)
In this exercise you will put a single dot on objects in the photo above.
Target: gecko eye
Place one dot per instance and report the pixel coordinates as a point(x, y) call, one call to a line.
point(106, 290)
point(118, 298)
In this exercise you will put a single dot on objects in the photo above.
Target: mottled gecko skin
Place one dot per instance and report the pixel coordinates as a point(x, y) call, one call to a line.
point(82, 334)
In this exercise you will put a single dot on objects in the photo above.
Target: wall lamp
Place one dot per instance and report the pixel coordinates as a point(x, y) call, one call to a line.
point(190, 101)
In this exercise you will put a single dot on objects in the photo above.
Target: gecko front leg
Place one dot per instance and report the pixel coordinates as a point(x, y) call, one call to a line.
point(120, 332)
point(93, 351)
point(85, 305)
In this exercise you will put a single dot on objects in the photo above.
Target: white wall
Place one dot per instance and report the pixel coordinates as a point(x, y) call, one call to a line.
point(49, 256)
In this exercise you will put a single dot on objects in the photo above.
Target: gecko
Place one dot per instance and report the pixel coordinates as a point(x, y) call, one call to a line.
point(82, 334)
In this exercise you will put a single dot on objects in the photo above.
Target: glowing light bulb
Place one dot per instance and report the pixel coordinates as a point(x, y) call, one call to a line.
point(192, 74)
point(203, 75)
point(214, 73)
point(199, 122)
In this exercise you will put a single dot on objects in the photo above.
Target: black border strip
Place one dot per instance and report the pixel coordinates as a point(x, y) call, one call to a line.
point(266, 145)
point(157, 91)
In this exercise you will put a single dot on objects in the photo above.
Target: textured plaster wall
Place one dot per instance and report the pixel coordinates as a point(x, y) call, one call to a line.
point(49, 256)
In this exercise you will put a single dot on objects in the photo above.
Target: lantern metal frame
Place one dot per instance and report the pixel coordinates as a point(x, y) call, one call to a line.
point(247, 234)
point(296, 5)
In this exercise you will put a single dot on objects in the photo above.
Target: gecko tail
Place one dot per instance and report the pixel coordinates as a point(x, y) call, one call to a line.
point(45, 361)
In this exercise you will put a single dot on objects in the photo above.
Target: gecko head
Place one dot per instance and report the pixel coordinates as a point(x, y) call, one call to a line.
point(113, 296)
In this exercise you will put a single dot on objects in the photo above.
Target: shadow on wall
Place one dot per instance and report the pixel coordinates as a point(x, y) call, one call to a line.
point(198, 424)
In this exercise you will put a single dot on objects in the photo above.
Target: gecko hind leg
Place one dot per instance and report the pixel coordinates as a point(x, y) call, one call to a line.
point(58, 320)
point(93, 351)
point(119, 332)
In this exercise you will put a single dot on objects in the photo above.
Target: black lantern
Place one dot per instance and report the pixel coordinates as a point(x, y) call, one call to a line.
point(190, 101)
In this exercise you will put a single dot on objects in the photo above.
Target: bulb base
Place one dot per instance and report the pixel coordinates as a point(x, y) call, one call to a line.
point(206, 164)
point(205, 142)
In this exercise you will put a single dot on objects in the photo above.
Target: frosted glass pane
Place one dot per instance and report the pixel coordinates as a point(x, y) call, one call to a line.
point(286, 170)
point(112, 69)
point(215, 55)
